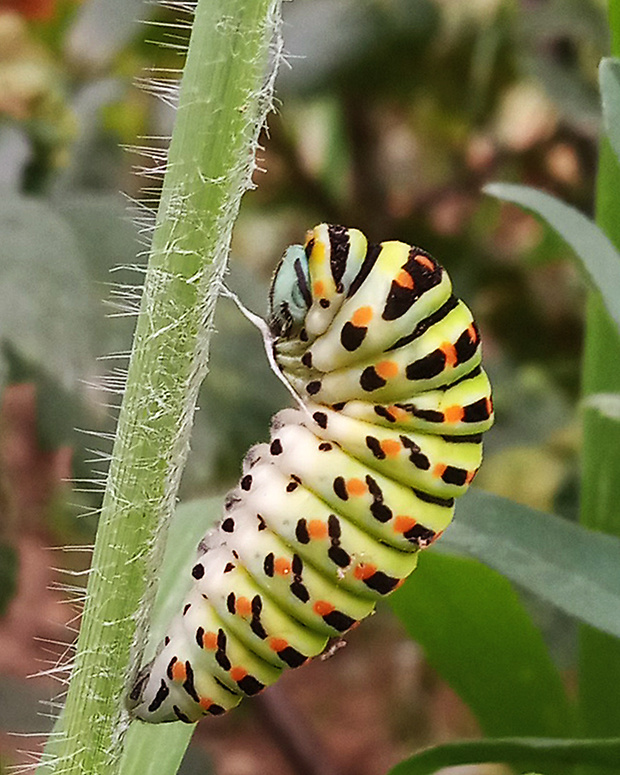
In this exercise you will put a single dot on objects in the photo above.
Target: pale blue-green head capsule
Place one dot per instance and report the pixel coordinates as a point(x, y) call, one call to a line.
point(290, 298)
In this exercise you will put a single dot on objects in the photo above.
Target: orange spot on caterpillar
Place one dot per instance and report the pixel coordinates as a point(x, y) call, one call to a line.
point(403, 522)
point(323, 607)
point(243, 606)
point(282, 566)
point(362, 316)
point(355, 487)
point(473, 334)
point(277, 644)
point(317, 529)
point(489, 405)
point(449, 351)
point(318, 288)
point(364, 571)
point(390, 447)
point(209, 641)
point(387, 369)
point(399, 583)
point(404, 279)
point(470, 476)
point(179, 673)
point(439, 469)
point(205, 703)
point(425, 262)
point(238, 673)
point(453, 413)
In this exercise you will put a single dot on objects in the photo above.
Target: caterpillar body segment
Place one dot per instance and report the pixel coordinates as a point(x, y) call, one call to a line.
point(331, 514)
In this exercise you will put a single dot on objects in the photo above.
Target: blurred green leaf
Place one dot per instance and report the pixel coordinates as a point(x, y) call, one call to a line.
point(103, 28)
point(8, 575)
point(361, 47)
point(47, 300)
point(519, 752)
point(158, 750)
point(598, 256)
point(609, 79)
point(481, 640)
point(573, 568)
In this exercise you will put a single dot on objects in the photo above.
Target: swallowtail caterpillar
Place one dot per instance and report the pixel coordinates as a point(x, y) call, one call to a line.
point(330, 515)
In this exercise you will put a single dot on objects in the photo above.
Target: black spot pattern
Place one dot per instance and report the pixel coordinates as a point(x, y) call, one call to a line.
point(352, 336)
point(339, 621)
point(250, 685)
point(427, 367)
point(335, 552)
point(320, 418)
point(338, 253)
point(220, 655)
point(400, 299)
point(420, 535)
point(160, 697)
point(292, 657)
point(453, 475)
point(375, 447)
point(466, 345)
point(340, 488)
point(370, 380)
point(417, 457)
point(301, 532)
point(181, 716)
point(378, 509)
point(381, 583)
point(476, 412)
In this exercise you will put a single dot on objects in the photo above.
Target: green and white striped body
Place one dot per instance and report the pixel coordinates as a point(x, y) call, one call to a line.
point(330, 514)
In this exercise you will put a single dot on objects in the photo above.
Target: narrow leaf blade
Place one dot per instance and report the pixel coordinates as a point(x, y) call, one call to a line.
point(478, 636)
point(516, 751)
point(573, 568)
point(596, 252)
point(609, 80)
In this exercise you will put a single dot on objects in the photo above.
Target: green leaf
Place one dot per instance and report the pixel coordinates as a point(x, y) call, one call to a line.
point(482, 641)
point(609, 80)
point(516, 751)
point(598, 256)
point(45, 291)
point(573, 568)
point(158, 750)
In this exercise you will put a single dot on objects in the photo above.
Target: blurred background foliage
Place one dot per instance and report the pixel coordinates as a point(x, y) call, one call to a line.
point(390, 117)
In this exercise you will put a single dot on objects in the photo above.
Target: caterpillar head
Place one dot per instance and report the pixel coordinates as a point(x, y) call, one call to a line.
point(289, 298)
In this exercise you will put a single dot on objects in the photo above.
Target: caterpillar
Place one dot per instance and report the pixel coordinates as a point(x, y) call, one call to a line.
point(330, 515)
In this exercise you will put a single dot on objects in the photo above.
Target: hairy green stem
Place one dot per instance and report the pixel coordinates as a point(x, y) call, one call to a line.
point(599, 668)
point(225, 94)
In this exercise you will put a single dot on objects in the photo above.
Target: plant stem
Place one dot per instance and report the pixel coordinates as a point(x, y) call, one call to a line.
point(225, 94)
point(599, 668)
